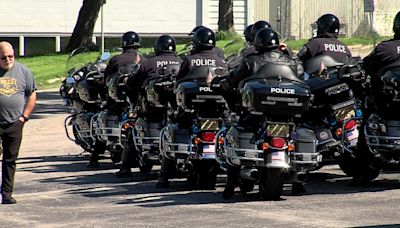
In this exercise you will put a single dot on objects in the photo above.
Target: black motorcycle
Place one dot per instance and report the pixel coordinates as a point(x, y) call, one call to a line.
point(259, 145)
point(83, 91)
point(380, 136)
point(155, 102)
point(329, 133)
point(189, 140)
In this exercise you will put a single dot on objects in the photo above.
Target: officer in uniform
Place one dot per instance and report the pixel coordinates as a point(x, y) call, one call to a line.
point(385, 52)
point(130, 44)
point(165, 55)
point(268, 50)
point(217, 50)
point(203, 54)
point(326, 42)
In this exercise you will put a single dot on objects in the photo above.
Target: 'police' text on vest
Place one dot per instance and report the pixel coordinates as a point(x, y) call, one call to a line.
point(203, 62)
point(335, 48)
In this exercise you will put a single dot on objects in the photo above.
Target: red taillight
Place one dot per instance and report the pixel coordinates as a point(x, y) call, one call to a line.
point(350, 125)
point(278, 142)
point(208, 136)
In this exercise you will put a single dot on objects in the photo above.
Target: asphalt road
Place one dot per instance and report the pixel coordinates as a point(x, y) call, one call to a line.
point(55, 189)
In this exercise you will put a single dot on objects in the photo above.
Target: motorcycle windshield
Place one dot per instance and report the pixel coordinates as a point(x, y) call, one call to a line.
point(85, 55)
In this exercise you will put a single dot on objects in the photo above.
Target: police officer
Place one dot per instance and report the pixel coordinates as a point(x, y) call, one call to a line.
point(326, 42)
point(385, 52)
point(165, 55)
point(251, 34)
point(130, 43)
point(203, 55)
point(268, 50)
point(217, 50)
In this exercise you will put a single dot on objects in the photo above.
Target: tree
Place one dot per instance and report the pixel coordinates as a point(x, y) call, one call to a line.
point(225, 16)
point(84, 27)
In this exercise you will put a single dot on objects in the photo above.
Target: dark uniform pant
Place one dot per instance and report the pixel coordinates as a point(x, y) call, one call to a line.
point(11, 136)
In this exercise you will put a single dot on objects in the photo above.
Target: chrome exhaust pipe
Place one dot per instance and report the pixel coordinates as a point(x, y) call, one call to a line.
point(249, 174)
point(301, 176)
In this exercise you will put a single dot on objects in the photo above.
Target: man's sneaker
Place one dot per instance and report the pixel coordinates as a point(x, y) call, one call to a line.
point(8, 200)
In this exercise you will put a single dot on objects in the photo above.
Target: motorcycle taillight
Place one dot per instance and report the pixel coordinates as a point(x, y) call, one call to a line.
point(278, 142)
point(208, 136)
point(350, 125)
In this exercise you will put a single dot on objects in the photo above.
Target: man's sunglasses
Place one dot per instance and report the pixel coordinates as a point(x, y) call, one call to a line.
point(7, 56)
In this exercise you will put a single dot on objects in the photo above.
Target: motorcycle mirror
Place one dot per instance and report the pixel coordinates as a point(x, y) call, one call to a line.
point(70, 80)
point(105, 56)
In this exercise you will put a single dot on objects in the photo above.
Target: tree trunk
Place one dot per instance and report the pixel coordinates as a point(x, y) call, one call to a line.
point(83, 31)
point(225, 16)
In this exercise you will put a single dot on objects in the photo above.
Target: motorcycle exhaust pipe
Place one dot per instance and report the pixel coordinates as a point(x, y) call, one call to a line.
point(249, 174)
point(301, 176)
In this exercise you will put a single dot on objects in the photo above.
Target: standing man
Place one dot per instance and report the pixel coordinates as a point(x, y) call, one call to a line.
point(17, 100)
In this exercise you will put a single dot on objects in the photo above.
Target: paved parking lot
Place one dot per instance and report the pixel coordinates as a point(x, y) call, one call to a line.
point(55, 189)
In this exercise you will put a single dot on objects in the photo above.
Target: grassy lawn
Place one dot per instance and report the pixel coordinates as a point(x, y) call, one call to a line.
point(50, 69)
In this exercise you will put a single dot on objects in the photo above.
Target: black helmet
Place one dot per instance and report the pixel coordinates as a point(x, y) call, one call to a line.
point(195, 29)
point(328, 23)
point(247, 33)
point(257, 27)
point(130, 39)
point(165, 43)
point(396, 24)
point(204, 39)
point(266, 39)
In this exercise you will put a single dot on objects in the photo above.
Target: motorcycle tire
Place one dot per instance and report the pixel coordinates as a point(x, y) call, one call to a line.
point(271, 183)
point(204, 174)
point(246, 185)
point(367, 167)
point(347, 165)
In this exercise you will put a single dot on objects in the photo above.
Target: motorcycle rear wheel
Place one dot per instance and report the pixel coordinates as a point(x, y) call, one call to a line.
point(271, 183)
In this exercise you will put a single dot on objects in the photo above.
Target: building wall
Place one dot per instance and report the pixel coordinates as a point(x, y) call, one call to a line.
point(59, 16)
point(303, 13)
point(146, 17)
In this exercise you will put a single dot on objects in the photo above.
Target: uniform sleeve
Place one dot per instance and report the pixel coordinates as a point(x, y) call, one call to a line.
point(304, 53)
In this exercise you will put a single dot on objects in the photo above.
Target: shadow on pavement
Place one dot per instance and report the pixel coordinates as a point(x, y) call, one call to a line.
point(142, 186)
point(48, 103)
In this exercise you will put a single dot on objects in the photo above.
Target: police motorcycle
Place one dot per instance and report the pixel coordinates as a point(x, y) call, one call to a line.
point(380, 136)
point(155, 102)
point(190, 139)
point(112, 124)
point(258, 145)
point(329, 133)
point(83, 91)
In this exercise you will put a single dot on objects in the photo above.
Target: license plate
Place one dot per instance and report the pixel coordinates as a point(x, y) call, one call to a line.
point(208, 151)
point(345, 113)
point(278, 130)
point(209, 125)
point(278, 156)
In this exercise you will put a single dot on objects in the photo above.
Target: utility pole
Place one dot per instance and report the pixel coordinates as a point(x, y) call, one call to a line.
point(369, 7)
point(102, 26)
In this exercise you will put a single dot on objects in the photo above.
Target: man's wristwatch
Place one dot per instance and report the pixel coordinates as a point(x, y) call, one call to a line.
point(25, 118)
